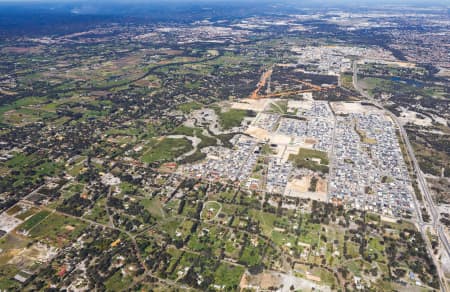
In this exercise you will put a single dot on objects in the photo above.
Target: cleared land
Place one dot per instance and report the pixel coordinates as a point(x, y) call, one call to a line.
point(311, 159)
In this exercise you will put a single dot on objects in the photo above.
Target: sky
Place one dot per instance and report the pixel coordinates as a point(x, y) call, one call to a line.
point(365, 2)
point(115, 6)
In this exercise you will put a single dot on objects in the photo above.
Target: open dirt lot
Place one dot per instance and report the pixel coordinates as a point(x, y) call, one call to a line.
point(258, 133)
point(8, 223)
point(298, 188)
point(36, 253)
point(257, 105)
point(300, 104)
point(299, 185)
point(280, 139)
point(350, 107)
point(290, 150)
point(412, 117)
point(322, 186)
point(281, 281)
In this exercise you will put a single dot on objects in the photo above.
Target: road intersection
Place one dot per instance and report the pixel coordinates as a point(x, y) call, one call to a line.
point(423, 186)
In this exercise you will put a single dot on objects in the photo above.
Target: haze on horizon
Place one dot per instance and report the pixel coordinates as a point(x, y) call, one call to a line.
point(298, 2)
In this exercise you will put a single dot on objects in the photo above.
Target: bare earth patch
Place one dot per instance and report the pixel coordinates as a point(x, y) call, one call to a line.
point(257, 105)
point(258, 133)
point(22, 50)
point(412, 117)
point(299, 185)
point(299, 188)
point(38, 252)
point(350, 107)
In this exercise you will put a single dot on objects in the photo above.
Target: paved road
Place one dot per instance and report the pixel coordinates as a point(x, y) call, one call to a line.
point(423, 186)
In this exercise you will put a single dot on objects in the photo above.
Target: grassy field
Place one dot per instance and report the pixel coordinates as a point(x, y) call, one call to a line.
point(266, 219)
point(167, 150)
point(98, 212)
point(14, 210)
point(196, 132)
point(183, 130)
point(347, 80)
point(189, 107)
point(280, 107)
point(9, 245)
point(214, 240)
point(363, 137)
point(228, 276)
point(35, 219)
point(170, 226)
point(118, 282)
point(20, 105)
point(375, 85)
point(154, 206)
point(304, 159)
point(19, 161)
point(40, 166)
point(175, 255)
point(250, 256)
point(7, 272)
point(9, 242)
point(24, 215)
point(210, 210)
point(232, 117)
point(309, 233)
point(325, 276)
point(57, 230)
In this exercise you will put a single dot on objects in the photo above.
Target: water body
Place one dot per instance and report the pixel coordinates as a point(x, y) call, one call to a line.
point(411, 82)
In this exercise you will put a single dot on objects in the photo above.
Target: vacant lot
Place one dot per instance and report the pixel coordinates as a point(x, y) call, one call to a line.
point(232, 117)
point(310, 159)
point(35, 219)
point(210, 210)
point(167, 150)
point(57, 230)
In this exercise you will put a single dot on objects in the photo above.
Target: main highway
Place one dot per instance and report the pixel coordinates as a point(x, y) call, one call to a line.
point(423, 186)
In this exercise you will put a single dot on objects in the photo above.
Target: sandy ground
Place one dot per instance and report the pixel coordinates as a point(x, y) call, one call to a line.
point(278, 151)
point(290, 150)
point(6, 92)
point(258, 133)
point(307, 95)
point(341, 107)
point(446, 264)
point(262, 82)
point(257, 105)
point(295, 144)
point(444, 72)
point(298, 188)
point(36, 253)
point(310, 141)
point(403, 64)
point(440, 120)
point(261, 104)
point(322, 186)
point(408, 116)
point(22, 50)
point(388, 219)
point(322, 197)
point(280, 139)
point(300, 104)
point(8, 223)
point(283, 282)
point(299, 185)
